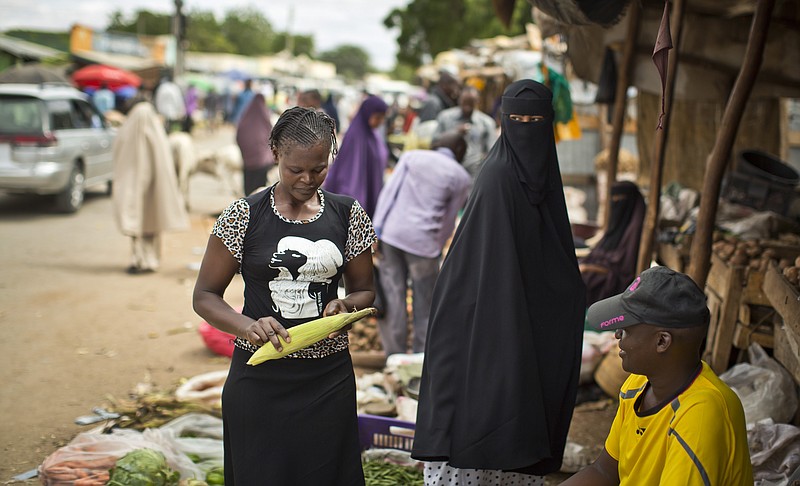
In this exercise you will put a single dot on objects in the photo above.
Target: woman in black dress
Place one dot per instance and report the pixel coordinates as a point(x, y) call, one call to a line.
point(290, 421)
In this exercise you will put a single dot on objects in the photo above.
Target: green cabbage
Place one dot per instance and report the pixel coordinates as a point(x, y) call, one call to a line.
point(143, 467)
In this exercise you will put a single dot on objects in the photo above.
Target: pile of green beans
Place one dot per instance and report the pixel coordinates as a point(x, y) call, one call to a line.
point(379, 473)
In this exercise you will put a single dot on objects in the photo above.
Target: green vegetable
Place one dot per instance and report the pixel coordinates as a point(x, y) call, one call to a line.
point(215, 476)
point(379, 473)
point(143, 467)
point(195, 482)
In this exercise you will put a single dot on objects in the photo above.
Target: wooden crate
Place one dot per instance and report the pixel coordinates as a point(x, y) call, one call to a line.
point(675, 257)
point(785, 298)
point(724, 291)
point(755, 325)
point(787, 351)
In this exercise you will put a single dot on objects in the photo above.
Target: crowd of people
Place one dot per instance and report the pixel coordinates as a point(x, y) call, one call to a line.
point(475, 226)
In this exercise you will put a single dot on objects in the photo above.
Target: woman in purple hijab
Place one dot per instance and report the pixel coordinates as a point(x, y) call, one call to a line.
point(252, 136)
point(358, 169)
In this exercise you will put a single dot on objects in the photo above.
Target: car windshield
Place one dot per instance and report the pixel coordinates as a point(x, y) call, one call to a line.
point(20, 115)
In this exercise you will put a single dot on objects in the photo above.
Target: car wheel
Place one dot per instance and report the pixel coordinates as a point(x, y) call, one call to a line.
point(71, 199)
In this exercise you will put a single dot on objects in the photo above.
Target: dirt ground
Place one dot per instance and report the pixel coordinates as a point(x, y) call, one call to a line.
point(79, 330)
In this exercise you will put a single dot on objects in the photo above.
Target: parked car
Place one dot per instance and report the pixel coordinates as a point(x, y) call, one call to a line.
point(53, 142)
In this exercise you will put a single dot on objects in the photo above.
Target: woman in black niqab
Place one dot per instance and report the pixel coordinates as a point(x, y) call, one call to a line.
point(503, 349)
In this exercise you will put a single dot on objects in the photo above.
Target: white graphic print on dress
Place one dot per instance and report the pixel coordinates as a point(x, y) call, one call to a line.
point(306, 269)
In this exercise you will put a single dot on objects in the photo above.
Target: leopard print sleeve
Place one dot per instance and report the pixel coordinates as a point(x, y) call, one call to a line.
point(231, 227)
point(360, 234)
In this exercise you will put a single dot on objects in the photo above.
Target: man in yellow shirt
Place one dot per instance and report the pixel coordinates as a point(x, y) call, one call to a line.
point(677, 424)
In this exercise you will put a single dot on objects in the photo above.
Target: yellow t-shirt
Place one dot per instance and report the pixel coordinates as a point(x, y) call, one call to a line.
point(699, 438)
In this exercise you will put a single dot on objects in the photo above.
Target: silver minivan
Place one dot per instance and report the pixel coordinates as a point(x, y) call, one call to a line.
point(53, 142)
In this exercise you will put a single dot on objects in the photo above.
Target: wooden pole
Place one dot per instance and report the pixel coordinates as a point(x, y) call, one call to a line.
point(621, 103)
point(720, 153)
point(660, 145)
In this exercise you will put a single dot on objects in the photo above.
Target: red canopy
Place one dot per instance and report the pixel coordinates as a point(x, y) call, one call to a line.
point(95, 75)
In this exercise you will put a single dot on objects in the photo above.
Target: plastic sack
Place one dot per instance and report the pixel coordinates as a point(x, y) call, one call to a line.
point(765, 388)
point(595, 346)
point(205, 388)
point(89, 456)
point(195, 425)
point(774, 450)
point(199, 436)
point(217, 341)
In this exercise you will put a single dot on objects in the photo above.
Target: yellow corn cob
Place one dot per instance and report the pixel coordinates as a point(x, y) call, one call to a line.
point(305, 335)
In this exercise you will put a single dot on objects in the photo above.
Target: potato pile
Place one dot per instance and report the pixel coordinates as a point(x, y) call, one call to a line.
point(756, 255)
point(744, 253)
point(792, 273)
point(364, 335)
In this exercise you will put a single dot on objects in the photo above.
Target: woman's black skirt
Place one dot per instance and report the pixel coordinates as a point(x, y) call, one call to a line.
point(291, 422)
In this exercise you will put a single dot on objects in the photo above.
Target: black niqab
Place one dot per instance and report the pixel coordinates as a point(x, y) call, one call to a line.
point(503, 349)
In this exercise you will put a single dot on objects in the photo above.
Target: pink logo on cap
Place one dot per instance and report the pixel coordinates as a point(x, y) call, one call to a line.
point(613, 320)
point(635, 284)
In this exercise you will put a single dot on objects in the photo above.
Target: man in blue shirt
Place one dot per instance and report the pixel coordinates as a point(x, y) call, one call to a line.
point(414, 217)
point(103, 99)
point(244, 99)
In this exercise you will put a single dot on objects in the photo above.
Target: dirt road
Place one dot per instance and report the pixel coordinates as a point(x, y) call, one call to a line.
point(77, 328)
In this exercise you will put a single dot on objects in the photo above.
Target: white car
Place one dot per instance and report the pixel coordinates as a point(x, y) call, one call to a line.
point(53, 142)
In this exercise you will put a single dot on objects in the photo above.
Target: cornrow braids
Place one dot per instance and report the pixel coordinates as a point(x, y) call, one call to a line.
point(305, 127)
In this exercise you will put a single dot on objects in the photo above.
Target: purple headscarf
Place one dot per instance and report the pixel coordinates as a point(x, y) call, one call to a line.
point(252, 134)
point(358, 169)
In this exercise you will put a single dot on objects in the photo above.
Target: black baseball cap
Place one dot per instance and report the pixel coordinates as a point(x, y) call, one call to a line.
point(659, 296)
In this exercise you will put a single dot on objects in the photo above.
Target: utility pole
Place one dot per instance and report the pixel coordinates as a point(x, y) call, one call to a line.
point(289, 36)
point(179, 31)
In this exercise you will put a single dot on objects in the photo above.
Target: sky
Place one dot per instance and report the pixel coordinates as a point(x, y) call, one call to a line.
point(331, 22)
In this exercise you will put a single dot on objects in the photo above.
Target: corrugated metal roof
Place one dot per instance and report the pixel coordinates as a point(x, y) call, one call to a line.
point(25, 49)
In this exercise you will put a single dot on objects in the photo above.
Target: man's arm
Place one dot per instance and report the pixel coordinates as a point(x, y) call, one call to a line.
point(603, 472)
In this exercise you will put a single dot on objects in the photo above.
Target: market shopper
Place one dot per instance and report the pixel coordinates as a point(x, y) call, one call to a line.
point(443, 95)
point(359, 168)
point(677, 422)
point(479, 129)
point(104, 99)
point(503, 351)
point(170, 104)
point(290, 420)
point(414, 218)
point(146, 198)
point(611, 264)
point(252, 137)
point(242, 100)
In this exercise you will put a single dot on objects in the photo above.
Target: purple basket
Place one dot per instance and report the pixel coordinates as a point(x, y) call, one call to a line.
point(383, 433)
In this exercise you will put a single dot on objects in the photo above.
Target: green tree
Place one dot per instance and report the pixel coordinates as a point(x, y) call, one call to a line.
point(141, 22)
point(352, 62)
point(249, 31)
point(205, 34)
point(427, 27)
point(301, 44)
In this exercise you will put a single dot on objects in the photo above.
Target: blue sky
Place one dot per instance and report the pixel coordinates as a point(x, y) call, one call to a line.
point(331, 22)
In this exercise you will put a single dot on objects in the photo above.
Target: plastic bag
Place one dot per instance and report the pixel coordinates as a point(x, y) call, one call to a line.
point(205, 388)
point(765, 388)
point(195, 425)
point(774, 450)
point(595, 346)
point(199, 436)
point(89, 456)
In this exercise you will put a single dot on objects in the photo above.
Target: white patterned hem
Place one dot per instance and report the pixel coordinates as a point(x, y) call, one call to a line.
point(441, 474)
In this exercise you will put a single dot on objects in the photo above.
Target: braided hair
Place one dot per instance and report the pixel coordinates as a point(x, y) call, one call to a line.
point(303, 127)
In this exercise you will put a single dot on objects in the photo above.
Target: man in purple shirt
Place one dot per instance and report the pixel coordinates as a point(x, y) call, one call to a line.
point(414, 217)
